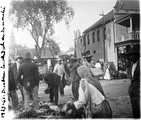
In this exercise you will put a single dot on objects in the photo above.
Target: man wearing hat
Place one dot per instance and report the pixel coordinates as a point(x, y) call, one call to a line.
point(59, 69)
point(30, 73)
point(88, 63)
point(74, 76)
point(16, 66)
point(134, 72)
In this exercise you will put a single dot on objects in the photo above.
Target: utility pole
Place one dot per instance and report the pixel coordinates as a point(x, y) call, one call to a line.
point(103, 34)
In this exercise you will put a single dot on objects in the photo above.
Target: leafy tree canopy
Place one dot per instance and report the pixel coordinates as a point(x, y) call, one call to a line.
point(39, 17)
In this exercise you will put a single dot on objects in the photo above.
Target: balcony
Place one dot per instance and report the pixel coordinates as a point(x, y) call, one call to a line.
point(129, 36)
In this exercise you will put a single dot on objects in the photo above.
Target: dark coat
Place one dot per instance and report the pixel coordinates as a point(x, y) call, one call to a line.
point(15, 72)
point(30, 73)
point(11, 81)
point(73, 71)
point(135, 80)
point(53, 79)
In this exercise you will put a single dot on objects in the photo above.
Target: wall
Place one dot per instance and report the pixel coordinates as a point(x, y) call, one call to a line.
point(109, 44)
point(79, 47)
point(97, 46)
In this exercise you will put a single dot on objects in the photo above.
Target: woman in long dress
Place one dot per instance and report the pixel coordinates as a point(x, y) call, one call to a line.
point(91, 97)
point(107, 75)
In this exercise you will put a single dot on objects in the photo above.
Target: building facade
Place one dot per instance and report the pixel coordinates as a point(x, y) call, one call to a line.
point(126, 22)
point(111, 36)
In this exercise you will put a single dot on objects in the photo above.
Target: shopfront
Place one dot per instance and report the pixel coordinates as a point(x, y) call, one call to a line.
point(122, 49)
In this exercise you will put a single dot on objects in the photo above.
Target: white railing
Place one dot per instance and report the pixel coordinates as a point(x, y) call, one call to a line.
point(129, 36)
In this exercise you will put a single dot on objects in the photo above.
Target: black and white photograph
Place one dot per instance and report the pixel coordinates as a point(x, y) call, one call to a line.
point(70, 59)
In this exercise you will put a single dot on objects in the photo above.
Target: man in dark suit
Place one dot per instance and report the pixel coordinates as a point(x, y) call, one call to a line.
point(30, 73)
point(53, 81)
point(134, 74)
point(12, 87)
point(74, 76)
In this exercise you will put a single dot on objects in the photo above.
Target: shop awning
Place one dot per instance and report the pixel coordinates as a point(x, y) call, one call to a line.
point(128, 42)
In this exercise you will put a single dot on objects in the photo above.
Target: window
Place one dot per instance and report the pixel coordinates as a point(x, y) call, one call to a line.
point(104, 33)
point(93, 37)
point(98, 35)
point(88, 39)
point(81, 40)
point(84, 41)
point(94, 51)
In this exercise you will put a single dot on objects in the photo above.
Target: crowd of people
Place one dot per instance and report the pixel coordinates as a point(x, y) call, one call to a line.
point(88, 99)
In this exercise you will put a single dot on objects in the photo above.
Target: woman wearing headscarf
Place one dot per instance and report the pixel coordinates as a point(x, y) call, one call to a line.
point(91, 96)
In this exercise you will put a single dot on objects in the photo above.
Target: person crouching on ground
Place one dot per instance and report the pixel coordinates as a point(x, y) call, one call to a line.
point(53, 81)
point(30, 73)
point(91, 96)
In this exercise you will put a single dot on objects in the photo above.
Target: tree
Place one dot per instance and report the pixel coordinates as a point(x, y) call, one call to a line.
point(15, 49)
point(12, 46)
point(38, 17)
point(52, 46)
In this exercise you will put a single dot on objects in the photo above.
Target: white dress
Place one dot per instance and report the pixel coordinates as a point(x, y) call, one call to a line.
point(107, 74)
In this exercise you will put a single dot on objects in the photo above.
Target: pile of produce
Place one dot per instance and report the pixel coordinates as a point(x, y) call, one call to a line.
point(46, 110)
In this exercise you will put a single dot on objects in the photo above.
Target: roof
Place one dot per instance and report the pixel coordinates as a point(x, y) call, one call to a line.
point(121, 4)
point(107, 18)
point(128, 4)
point(46, 54)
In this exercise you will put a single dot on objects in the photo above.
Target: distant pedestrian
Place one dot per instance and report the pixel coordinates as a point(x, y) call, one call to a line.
point(88, 62)
point(53, 81)
point(134, 89)
point(59, 69)
point(107, 75)
point(16, 66)
point(12, 87)
point(30, 73)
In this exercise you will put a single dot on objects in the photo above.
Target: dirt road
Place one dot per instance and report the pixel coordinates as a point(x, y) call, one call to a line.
point(116, 92)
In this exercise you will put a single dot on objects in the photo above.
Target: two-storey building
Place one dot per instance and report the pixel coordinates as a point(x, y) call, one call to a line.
point(127, 22)
point(111, 36)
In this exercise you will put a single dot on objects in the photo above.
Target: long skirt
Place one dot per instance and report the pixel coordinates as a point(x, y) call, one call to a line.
point(106, 111)
point(107, 74)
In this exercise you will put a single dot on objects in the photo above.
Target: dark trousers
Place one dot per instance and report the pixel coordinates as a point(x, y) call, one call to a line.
point(54, 94)
point(62, 85)
point(75, 86)
point(135, 102)
point(21, 90)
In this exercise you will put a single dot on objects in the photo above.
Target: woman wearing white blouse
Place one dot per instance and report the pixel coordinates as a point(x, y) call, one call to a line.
point(91, 96)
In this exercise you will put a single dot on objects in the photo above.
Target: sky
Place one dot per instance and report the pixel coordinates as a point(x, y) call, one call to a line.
point(86, 14)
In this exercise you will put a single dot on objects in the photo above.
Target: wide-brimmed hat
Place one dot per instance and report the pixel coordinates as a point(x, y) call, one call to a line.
point(28, 55)
point(134, 50)
point(35, 58)
point(18, 57)
point(88, 56)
